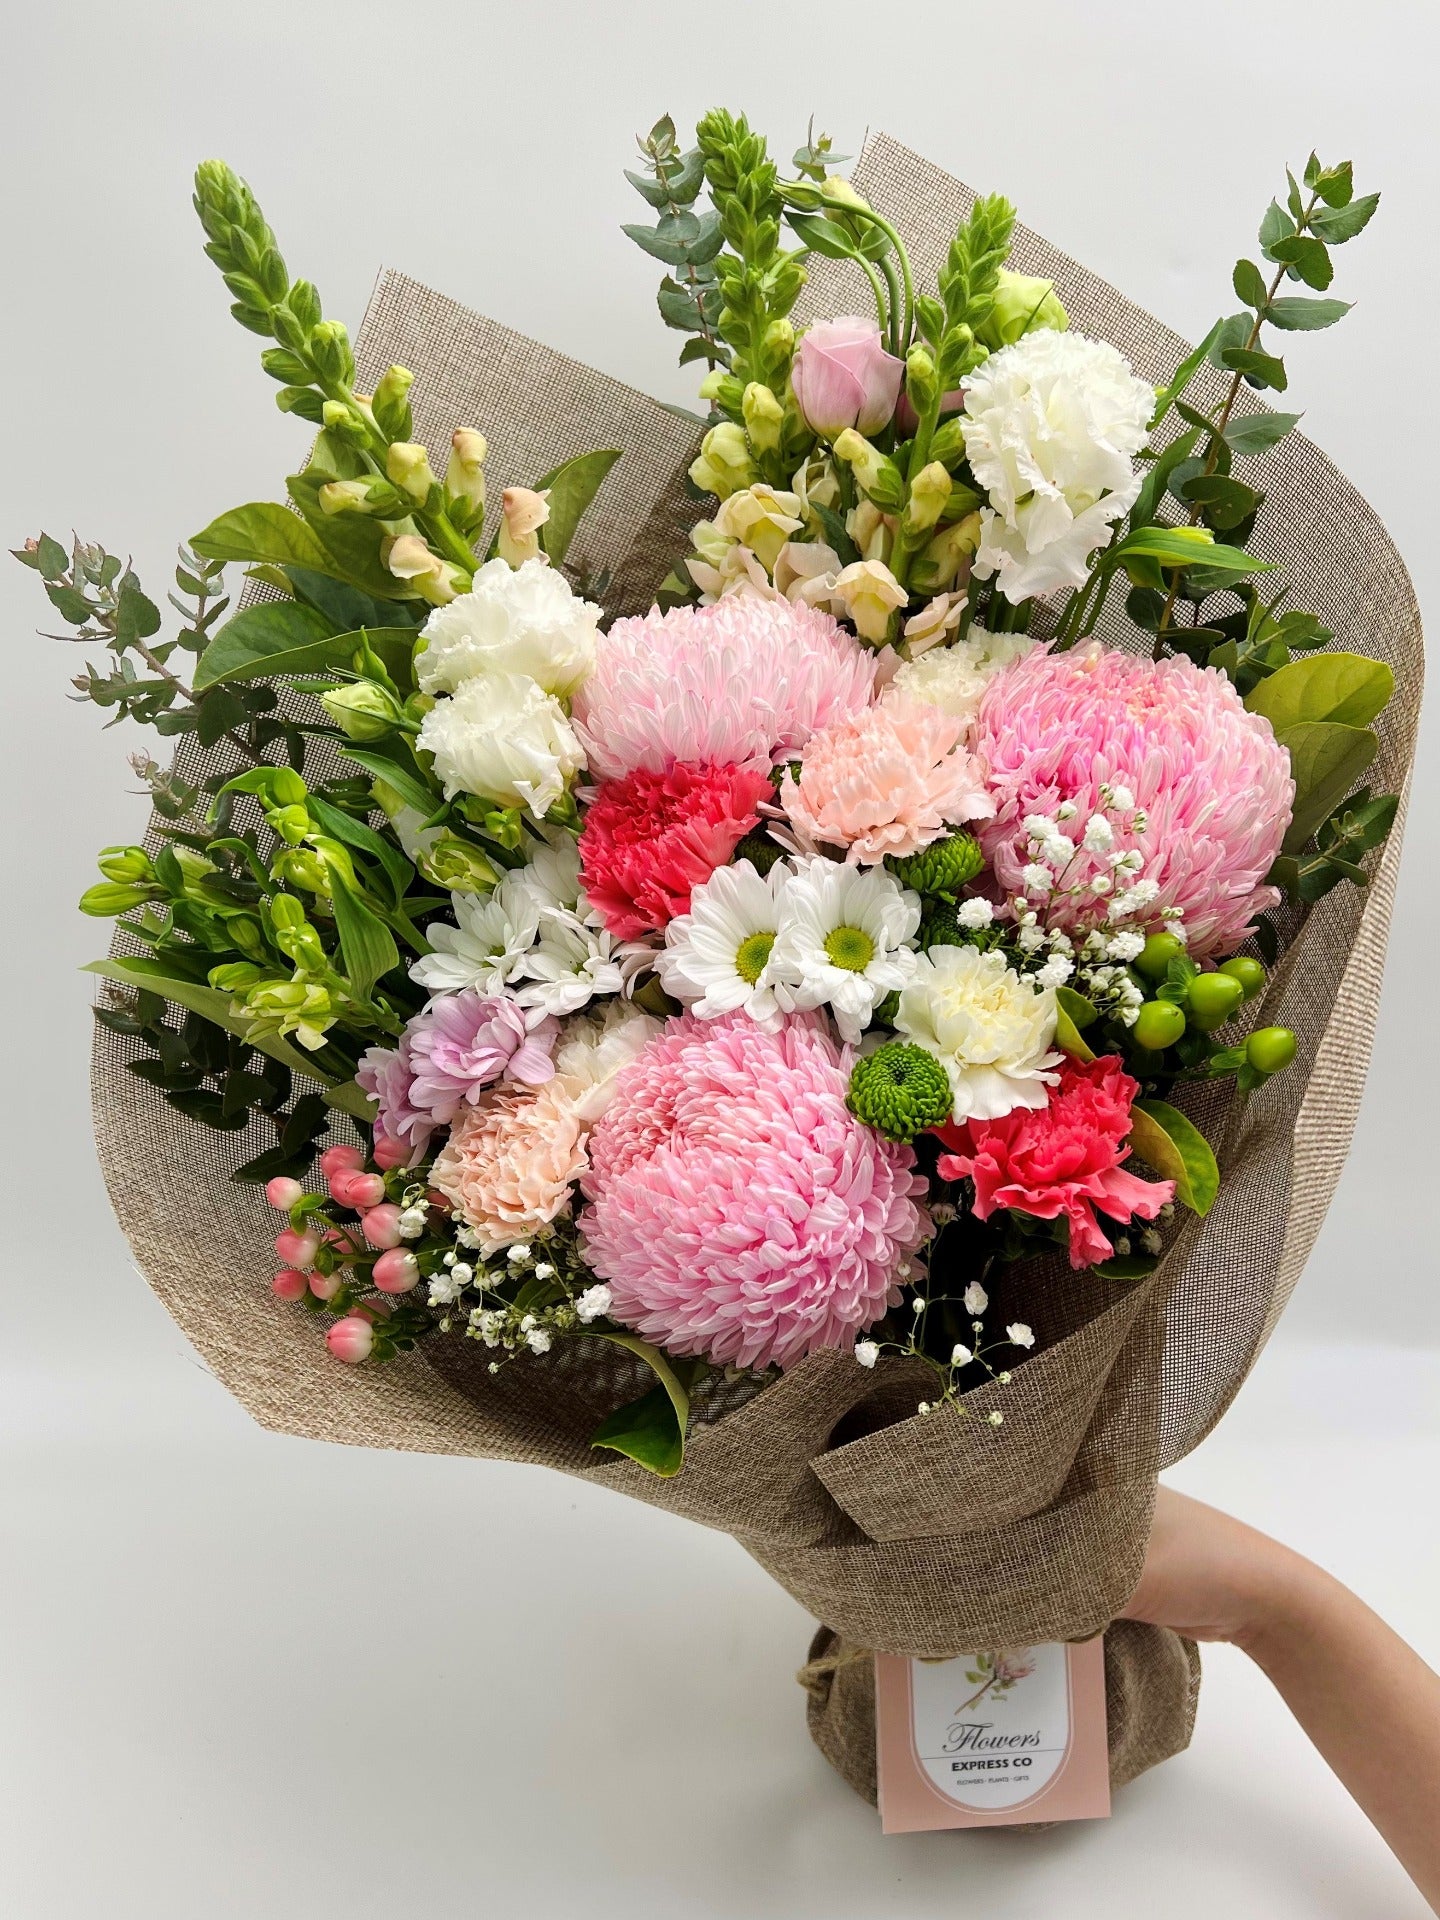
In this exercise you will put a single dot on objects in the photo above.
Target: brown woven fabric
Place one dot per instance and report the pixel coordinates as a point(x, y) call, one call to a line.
point(906, 1534)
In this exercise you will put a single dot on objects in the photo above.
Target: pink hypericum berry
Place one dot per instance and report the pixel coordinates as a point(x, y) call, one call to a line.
point(282, 1193)
point(381, 1225)
point(351, 1339)
point(342, 1239)
point(387, 1153)
point(335, 1158)
point(297, 1249)
point(288, 1284)
point(396, 1271)
point(358, 1190)
point(324, 1286)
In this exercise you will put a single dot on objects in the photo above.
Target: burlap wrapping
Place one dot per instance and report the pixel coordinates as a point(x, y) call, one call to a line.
point(922, 1536)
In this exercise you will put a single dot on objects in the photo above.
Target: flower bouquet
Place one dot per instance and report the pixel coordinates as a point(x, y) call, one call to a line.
point(816, 966)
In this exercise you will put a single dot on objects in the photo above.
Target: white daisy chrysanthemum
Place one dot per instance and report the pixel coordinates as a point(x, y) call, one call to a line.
point(717, 956)
point(575, 961)
point(843, 941)
point(487, 946)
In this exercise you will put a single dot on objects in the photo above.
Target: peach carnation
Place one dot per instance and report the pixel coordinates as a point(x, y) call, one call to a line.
point(888, 780)
point(509, 1165)
point(741, 683)
point(739, 1210)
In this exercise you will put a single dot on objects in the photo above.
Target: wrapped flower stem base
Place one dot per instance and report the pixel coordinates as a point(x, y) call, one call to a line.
point(421, 856)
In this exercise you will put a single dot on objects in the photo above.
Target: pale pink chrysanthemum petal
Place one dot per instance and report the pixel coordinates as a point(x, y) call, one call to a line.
point(741, 683)
point(737, 1208)
point(1211, 779)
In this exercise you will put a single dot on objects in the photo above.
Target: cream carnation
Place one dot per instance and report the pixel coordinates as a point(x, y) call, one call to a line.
point(888, 780)
point(990, 1029)
point(954, 678)
point(513, 620)
point(592, 1049)
point(509, 1164)
point(503, 737)
point(1051, 426)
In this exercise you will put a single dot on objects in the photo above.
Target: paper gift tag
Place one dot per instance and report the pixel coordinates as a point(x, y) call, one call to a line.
point(992, 1739)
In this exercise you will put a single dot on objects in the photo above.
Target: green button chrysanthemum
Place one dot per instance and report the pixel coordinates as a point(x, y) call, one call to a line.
point(900, 1090)
point(943, 867)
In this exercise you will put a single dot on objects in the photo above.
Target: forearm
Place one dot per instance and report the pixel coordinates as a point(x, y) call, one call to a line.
point(1369, 1703)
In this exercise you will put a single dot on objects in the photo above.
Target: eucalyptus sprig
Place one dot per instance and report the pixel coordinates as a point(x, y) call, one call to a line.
point(689, 298)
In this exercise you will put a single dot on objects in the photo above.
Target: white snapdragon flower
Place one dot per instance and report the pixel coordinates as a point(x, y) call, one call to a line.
point(989, 1027)
point(503, 737)
point(1052, 426)
point(487, 945)
point(520, 620)
point(718, 956)
point(844, 940)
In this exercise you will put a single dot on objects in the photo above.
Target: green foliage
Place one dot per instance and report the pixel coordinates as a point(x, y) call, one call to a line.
point(1320, 708)
point(571, 488)
point(650, 1430)
point(1165, 1140)
point(758, 279)
point(689, 299)
point(1355, 828)
point(968, 281)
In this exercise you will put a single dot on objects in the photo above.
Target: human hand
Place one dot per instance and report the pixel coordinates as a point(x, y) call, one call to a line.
point(1210, 1577)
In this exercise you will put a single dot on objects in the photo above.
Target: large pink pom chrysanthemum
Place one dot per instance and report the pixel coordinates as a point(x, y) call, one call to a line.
point(741, 683)
point(738, 1209)
point(1210, 779)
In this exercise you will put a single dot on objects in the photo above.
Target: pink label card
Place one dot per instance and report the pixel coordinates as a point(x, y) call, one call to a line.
point(992, 1739)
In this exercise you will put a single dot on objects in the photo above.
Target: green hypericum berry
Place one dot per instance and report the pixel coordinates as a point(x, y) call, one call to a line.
point(943, 867)
point(1213, 998)
point(1269, 1049)
point(1160, 949)
point(1158, 1024)
point(760, 850)
point(1248, 972)
point(900, 1090)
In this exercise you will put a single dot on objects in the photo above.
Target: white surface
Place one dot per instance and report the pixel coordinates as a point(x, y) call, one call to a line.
point(247, 1676)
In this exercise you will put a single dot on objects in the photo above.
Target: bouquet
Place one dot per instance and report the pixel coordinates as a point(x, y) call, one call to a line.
point(746, 980)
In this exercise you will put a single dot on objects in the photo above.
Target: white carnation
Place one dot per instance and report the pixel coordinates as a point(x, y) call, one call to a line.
point(1051, 429)
point(513, 620)
point(954, 678)
point(593, 1047)
point(989, 1028)
point(503, 737)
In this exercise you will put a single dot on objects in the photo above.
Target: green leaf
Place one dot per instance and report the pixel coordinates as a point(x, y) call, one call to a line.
point(1152, 488)
point(152, 976)
point(355, 833)
point(1258, 432)
point(1275, 227)
point(1326, 760)
point(669, 247)
point(1347, 687)
point(405, 779)
point(1177, 1150)
point(823, 236)
point(136, 615)
point(366, 943)
point(650, 1430)
point(1309, 257)
point(1232, 332)
point(265, 531)
point(345, 607)
point(349, 1097)
point(1339, 224)
point(571, 489)
point(1068, 1037)
point(1249, 283)
point(287, 637)
point(836, 534)
point(1166, 396)
point(1306, 316)
point(1185, 547)
point(1263, 368)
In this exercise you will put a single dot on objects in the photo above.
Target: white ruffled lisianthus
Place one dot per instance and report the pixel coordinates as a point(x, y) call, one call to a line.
point(990, 1029)
point(592, 1049)
point(954, 678)
point(501, 736)
point(717, 956)
point(1051, 426)
point(513, 620)
point(843, 941)
point(487, 945)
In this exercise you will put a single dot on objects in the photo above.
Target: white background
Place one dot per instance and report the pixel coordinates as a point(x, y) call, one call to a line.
point(246, 1675)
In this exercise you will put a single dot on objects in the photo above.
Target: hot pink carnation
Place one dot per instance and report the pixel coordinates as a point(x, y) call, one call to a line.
point(649, 838)
point(1063, 1160)
point(1211, 778)
point(738, 1209)
point(510, 1163)
point(888, 780)
point(741, 683)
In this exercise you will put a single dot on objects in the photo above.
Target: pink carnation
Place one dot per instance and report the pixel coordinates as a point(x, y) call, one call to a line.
point(887, 780)
point(650, 838)
point(741, 683)
point(510, 1163)
point(1211, 779)
point(1062, 1161)
point(738, 1209)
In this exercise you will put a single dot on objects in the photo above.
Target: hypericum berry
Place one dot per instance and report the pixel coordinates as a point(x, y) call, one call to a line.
point(1269, 1049)
point(289, 1284)
point(1213, 998)
point(351, 1339)
point(1248, 972)
point(942, 867)
point(282, 1193)
point(1155, 957)
point(1158, 1024)
point(358, 1190)
point(297, 1249)
point(336, 1159)
point(900, 1090)
point(395, 1271)
point(388, 1153)
point(381, 1225)
point(325, 1286)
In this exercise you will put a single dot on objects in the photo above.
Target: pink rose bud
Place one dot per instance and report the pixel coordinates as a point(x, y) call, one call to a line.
point(381, 1225)
point(351, 1339)
point(843, 377)
point(336, 1159)
point(288, 1284)
point(282, 1193)
point(388, 1153)
point(297, 1249)
point(396, 1271)
point(324, 1286)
